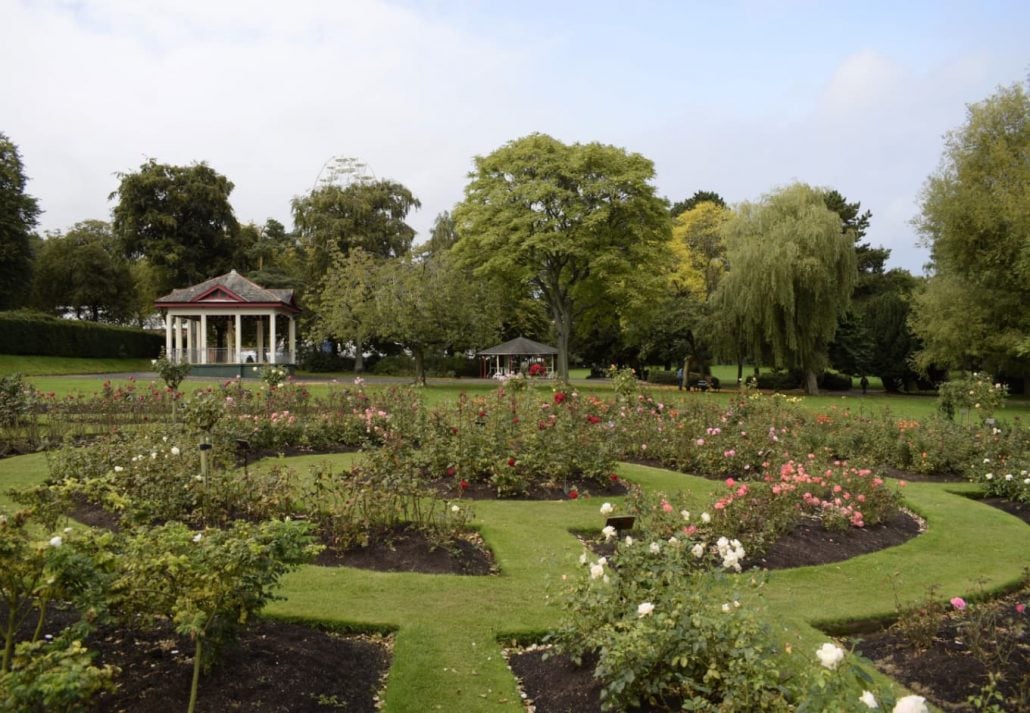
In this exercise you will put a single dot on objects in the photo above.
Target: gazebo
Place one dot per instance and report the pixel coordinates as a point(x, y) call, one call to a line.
point(515, 357)
point(205, 325)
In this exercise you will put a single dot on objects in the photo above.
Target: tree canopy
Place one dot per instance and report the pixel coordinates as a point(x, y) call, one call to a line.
point(179, 219)
point(695, 200)
point(975, 219)
point(19, 213)
point(366, 214)
point(791, 277)
point(578, 225)
point(83, 271)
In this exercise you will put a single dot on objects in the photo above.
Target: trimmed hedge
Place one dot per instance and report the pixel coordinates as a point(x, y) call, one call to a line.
point(35, 334)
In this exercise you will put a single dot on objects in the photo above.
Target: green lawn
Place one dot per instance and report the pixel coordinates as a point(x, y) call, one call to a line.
point(449, 629)
point(45, 365)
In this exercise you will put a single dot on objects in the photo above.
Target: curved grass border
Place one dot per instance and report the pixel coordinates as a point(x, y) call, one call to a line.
point(448, 629)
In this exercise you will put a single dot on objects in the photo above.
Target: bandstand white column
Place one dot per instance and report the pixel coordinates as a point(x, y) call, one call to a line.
point(271, 338)
point(202, 341)
point(189, 341)
point(260, 339)
point(293, 340)
point(168, 335)
point(178, 340)
point(239, 338)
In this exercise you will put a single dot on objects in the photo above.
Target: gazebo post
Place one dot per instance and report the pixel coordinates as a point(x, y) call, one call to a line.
point(189, 341)
point(271, 338)
point(261, 339)
point(178, 340)
point(293, 340)
point(239, 337)
point(203, 338)
point(168, 335)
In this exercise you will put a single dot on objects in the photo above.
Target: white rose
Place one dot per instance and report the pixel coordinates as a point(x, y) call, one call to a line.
point(698, 550)
point(869, 699)
point(645, 609)
point(175, 450)
point(609, 533)
point(911, 704)
point(607, 509)
point(654, 548)
point(706, 518)
point(56, 541)
point(830, 655)
point(596, 571)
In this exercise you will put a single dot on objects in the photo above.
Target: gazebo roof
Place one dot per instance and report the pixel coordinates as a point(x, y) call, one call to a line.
point(230, 289)
point(520, 346)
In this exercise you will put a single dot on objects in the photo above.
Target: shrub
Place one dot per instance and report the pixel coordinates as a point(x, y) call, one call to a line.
point(832, 381)
point(975, 394)
point(31, 333)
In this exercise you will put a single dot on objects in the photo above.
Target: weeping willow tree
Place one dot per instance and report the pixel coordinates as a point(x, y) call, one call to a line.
point(791, 275)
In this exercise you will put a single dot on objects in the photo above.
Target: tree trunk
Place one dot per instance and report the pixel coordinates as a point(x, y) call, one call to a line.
point(359, 357)
point(563, 326)
point(420, 366)
point(811, 382)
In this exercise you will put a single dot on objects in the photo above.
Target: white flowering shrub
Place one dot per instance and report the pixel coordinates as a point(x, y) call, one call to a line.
point(976, 394)
point(669, 631)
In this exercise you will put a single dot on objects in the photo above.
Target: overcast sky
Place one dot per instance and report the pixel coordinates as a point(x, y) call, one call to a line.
point(735, 97)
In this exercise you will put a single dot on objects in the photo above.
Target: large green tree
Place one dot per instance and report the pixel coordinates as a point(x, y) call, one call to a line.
point(975, 219)
point(791, 277)
point(433, 305)
point(83, 271)
point(179, 219)
point(19, 213)
point(578, 225)
point(366, 214)
point(347, 307)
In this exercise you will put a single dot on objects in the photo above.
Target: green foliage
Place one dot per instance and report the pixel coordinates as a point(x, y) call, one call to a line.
point(577, 225)
point(365, 214)
point(32, 333)
point(791, 278)
point(19, 213)
point(434, 306)
point(171, 373)
point(515, 441)
point(53, 677)
point(17, 399)
point(84, 273)
point(680, 207)
point(974, 394)
point(670, 633)
point(973, 313)
point(208, 583)
point(179, 218)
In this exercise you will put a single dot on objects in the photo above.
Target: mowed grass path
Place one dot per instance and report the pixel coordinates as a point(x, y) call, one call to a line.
point(449, 629)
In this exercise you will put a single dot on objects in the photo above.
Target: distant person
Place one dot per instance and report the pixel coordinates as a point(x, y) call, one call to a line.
point(679, 378)
point(864, 383)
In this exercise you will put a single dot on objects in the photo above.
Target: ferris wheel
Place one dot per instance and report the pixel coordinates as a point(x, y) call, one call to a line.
point(343, 171)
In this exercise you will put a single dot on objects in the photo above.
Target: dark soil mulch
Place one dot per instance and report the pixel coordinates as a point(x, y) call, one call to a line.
point(274, 667)
point(93, 515)
point(948, 672)
point(810, 544)
point(405, 549)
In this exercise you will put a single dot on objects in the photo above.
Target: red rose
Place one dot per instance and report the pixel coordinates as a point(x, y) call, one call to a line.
point(614, 478)
point(464, 484)
point(593, 419)
point(451, 471)
point(511, 462)
point(573, 494)
point(559, 397)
